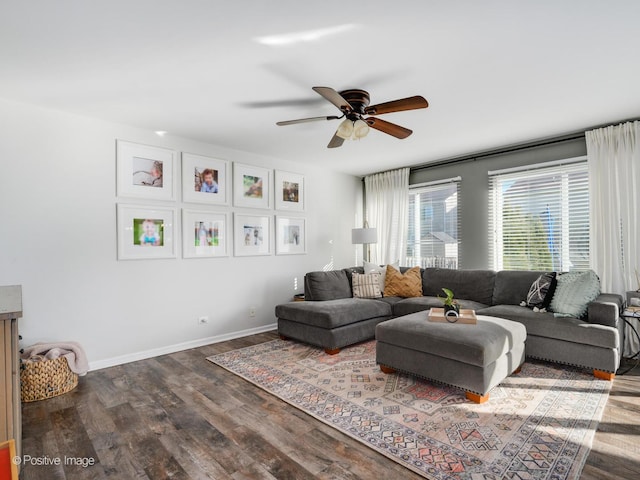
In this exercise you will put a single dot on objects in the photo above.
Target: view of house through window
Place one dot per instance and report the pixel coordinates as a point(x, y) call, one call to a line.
point(432, 236)
point(539, 217)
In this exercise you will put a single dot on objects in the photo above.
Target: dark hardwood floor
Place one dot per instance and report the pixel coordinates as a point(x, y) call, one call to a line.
point(179, 416)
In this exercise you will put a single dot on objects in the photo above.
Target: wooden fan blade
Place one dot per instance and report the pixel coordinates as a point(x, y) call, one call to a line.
point(388, 127)
point(410, 103)
point(335, 142)
point(334, 97)
point(304, 120)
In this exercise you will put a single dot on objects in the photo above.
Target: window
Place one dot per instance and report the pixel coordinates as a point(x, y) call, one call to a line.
point(432, 234)
point(539, 217)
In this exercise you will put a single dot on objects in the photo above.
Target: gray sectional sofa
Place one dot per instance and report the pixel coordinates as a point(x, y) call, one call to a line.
point(331, 318)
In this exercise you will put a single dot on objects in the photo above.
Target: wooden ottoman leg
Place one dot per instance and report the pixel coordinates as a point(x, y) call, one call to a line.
point(386, 369)
point(331, 351)
point(477, 398)
point(518, 370)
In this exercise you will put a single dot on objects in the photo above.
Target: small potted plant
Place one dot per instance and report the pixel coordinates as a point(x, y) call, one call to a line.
point(450, 304)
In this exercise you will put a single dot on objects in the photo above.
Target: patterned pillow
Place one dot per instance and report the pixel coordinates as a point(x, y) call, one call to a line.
point(404, 285)
point(370, 267)
point(574, 292)
point(366, 285)
point(541, 291)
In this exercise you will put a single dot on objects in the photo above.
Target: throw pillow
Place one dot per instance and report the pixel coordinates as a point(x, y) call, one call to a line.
point(574, 292)
point(404, 285)
point(541, 291)
point(370, 267)
point(366, 285)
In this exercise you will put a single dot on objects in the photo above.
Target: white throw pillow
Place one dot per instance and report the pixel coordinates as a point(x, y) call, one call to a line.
point(382, 270)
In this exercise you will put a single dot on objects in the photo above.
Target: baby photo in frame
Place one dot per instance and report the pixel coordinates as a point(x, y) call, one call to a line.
point(145, 232)
point(204, 179)
point(144, 171)
point(204, 234)
point(252, 234)
point(291, 235)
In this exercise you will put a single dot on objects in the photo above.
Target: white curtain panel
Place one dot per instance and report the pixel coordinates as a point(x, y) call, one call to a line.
point(387, 203)
point(614, 185)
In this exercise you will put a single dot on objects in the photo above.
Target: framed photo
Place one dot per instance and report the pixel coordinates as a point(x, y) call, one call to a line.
point(252, 234)
point(145, 172)
point(251, 186)
point(204, 179)
point(289, 191)
point(290, 236)
point(145, 232)
point(204, 234)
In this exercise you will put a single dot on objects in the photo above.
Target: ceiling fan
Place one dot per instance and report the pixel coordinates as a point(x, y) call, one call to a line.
point(354, 105)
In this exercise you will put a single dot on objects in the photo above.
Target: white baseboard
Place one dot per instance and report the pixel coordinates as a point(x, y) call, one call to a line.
point(133, 357)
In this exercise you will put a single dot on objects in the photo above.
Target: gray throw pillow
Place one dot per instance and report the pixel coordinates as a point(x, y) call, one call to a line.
point(574, 292)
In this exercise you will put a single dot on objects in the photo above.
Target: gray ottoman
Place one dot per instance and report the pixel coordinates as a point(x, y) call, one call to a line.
point(475, 358)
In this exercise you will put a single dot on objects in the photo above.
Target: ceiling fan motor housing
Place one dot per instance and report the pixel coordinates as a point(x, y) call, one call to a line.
point(358, 99)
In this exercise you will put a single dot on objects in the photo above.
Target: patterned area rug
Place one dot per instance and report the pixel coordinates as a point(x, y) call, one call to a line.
point(538, 424)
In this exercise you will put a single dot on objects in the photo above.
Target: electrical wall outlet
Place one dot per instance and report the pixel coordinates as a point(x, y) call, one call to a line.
point(252, 311)
point(203, 320)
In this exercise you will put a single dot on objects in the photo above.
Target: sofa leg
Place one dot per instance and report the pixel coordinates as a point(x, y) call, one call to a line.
point(476, 398)
point(386, 369)
point(603, 375)
point(331, 351)
point(282, 337)
point(518, 370)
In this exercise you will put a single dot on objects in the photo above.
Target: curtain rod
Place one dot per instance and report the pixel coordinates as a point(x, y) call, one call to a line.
point(518, 147)
point(498, 151)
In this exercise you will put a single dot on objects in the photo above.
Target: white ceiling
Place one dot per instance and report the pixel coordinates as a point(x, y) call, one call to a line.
point(495, 73)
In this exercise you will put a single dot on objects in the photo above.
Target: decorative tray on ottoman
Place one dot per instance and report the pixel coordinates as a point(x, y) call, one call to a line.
point(466, 316)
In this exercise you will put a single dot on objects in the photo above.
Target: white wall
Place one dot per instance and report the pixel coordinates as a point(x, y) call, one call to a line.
point(58, 240)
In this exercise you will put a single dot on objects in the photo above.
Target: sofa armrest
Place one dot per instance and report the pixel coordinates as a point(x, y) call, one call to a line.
point(605, 310)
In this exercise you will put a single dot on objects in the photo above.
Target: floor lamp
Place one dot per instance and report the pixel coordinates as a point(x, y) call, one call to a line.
point(364, 236)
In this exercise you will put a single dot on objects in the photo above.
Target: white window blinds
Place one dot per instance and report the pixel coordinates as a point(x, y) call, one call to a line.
point(539, 217)
point(432, 234)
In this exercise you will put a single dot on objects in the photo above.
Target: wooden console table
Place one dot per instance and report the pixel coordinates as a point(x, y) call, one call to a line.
point(10, 406)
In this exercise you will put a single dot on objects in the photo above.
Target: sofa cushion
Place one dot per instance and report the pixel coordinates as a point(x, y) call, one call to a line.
point(327, 285)
point(541, 291)
point(333, 313)
point(366, 285)
point(408, 284)
point(511, 286)
point(475, 285)
point(574, 292)
point(546, 325)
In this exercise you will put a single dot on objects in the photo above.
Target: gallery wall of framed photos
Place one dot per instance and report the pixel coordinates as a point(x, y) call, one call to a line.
point(217, 208)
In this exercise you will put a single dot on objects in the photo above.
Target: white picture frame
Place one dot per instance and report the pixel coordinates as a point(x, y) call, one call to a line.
point(289, 191)
point(291, 235)
point(251, 234)
point(251, 186)
point(144, 171)
point(197, 172)
point(145, 232)
point(205, 234)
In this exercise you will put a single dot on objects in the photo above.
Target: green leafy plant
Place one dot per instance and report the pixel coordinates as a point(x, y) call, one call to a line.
point(449, 301)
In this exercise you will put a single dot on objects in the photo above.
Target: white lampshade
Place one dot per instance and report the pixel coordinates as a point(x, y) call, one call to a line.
point(345, 129)
point(360, 129)
point(364, 235)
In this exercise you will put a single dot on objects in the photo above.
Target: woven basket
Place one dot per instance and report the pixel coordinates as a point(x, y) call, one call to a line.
point(46, 379)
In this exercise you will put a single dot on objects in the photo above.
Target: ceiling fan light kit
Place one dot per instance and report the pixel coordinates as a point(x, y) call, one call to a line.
point(354, 104)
